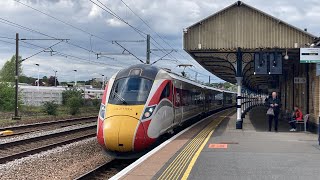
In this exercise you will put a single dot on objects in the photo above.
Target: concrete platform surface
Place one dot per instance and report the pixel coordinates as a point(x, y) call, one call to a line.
point(214, 149)
point(253, 153)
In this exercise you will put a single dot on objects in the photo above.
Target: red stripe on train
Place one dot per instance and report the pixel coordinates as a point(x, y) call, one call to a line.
point(100, 132)
point(100, 136)
point(142, 140)
point(156, 96)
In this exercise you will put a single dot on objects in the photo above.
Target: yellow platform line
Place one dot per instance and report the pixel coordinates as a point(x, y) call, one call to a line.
point(181, 157)
point(174, 170)
point(185, 160)
point(187, 152)
point(212, 125)
point(184, 153)
point(195, 157)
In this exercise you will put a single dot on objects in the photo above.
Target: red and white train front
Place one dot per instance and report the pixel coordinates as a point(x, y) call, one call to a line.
point(131, 116)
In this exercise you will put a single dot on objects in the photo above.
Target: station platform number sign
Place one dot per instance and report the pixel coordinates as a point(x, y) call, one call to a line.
point(309, 55)
point(300, 80)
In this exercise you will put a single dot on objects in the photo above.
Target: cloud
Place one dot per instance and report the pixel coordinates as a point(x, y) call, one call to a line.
point(95, 12)
point(166, 17)
point(115, 23)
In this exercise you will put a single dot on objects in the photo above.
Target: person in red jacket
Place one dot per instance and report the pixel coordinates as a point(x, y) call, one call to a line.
point(296, 116)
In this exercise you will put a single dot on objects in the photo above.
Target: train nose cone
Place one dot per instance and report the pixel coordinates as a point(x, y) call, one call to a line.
point(119, 132)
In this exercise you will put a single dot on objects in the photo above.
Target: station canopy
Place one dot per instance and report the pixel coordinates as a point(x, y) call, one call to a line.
point(213, 42)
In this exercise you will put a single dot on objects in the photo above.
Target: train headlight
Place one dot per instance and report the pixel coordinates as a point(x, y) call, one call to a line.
point(102, 111)
point(148, 112)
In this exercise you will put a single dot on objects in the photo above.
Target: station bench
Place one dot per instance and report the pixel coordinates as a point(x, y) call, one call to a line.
point(304, 122)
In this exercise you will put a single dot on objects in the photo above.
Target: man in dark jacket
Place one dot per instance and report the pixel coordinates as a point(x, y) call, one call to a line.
point(274, 103)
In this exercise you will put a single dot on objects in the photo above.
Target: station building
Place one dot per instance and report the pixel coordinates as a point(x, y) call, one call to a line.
point(260, 53)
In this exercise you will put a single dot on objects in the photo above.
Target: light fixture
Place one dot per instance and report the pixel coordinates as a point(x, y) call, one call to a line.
point(286, 57)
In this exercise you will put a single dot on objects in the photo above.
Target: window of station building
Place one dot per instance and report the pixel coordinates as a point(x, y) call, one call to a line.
point(166, 92)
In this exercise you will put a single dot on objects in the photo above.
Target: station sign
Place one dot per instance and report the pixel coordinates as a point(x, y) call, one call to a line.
point(266, 63)
point(309, 55)
point(300, 80)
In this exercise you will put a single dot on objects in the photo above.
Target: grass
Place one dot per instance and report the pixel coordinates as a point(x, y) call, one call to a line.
point(33, 114)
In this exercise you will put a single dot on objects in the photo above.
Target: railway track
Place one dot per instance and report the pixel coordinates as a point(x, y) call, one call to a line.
point(45, 126)
point(107, 170)
point(20, 148)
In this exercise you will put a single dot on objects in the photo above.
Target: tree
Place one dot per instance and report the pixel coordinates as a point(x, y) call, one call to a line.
point(7, 95)
point(25, 79)
point(45, 79)
point(50, 107)
point(51, 81)
point(7, 73)
point(69, 93)
point(74, 104)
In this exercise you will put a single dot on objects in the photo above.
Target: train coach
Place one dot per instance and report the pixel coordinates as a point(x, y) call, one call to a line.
point(143, 102)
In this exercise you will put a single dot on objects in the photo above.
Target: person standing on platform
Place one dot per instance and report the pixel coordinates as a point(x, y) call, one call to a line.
point(274, 103)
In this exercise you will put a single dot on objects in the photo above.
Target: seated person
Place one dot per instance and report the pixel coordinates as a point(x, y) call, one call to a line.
point(296, 116)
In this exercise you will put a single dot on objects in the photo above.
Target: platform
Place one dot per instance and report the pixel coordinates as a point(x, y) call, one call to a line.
point(214, 150)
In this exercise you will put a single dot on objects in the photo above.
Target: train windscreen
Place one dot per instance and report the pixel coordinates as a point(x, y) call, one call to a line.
point(130, 91)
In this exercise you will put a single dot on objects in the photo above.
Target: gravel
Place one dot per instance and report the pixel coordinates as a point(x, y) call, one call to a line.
point(42, 133)
point(66, 162)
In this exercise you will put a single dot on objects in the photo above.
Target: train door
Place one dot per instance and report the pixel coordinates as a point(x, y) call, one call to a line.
point(178, 111)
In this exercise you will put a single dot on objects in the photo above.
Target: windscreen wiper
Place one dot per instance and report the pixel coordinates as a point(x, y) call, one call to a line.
point(120, 98)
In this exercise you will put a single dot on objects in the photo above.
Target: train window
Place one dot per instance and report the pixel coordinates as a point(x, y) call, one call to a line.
point(219, 98)
point(166, 92)
point(130, 91)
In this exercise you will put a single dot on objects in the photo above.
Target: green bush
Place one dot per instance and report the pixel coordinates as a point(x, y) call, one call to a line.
point(7, 97)
point(50, 108)
point(69, 93)
point(96, 103)
point(74, 104)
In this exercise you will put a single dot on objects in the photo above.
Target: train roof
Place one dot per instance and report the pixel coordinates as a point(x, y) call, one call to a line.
point(150, 72)
point(177, 76)
point(143, 70)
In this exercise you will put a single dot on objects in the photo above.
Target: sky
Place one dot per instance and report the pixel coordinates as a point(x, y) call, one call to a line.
point(90, 30)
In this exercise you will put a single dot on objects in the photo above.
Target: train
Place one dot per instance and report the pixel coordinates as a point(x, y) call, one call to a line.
point(143, 102)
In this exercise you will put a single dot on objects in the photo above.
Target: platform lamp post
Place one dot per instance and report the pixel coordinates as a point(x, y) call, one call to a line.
point(75, 79)
point(239, 84)
point(55, 78)
point(38, 82)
